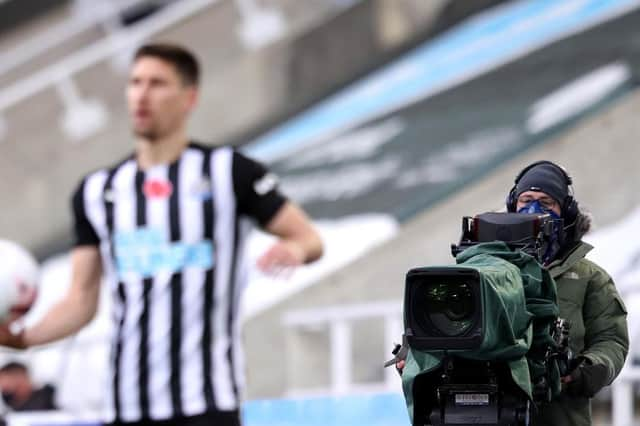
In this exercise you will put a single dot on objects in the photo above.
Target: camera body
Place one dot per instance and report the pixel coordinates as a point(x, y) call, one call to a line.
point(528, 232)
point(484, 335)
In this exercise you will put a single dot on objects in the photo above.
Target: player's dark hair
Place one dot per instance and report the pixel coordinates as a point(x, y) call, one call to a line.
point(14, 367)
point(182, 59)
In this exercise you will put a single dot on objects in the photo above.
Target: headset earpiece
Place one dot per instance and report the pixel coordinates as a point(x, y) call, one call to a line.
point(512, 200)
point(570, 211)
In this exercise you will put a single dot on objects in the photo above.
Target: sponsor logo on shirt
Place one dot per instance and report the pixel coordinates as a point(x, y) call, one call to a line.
point(157, 188)
point(147, 252)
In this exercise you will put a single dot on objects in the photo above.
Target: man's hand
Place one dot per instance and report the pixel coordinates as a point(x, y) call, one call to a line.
point(585, 380)
point(281, 257)
point(400, 355)
point(298, 241)
point(12, 340)
point(76, 308)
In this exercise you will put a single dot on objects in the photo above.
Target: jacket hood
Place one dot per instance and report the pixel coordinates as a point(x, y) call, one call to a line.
point(582, 225)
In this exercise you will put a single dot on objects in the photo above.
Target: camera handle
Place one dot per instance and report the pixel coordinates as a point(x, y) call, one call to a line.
point(399, 351)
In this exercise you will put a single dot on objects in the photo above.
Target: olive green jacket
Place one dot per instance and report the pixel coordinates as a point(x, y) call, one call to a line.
point(588, 299)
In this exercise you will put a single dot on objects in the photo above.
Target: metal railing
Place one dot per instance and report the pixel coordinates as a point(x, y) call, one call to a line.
point(622, 396)
point(623, 389)
point(259, 26)
point(103, 14)
point(340, 320)
point(60, 75)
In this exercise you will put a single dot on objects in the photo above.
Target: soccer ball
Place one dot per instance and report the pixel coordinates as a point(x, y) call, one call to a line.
point(19, 273)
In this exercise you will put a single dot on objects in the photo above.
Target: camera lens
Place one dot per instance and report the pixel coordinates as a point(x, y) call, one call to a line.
point(449, 307)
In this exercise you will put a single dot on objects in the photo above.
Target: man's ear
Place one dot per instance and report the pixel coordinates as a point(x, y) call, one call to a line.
point(192, 97)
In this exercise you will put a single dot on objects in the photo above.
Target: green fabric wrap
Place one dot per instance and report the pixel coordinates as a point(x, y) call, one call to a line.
point(520, 308)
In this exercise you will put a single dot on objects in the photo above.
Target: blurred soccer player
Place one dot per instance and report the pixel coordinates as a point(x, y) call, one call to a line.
point(167, 226)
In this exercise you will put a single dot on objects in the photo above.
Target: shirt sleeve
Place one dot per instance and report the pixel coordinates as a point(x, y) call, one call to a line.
point(256, 189)
point(85, 234)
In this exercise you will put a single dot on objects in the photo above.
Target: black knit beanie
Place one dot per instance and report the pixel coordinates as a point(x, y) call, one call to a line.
point(547, 178)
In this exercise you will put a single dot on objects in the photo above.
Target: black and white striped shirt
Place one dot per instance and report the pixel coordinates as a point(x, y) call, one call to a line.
point(171, 238)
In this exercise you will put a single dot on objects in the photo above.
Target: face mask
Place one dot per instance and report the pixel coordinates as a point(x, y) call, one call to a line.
point(535, 207)
point(554, 244)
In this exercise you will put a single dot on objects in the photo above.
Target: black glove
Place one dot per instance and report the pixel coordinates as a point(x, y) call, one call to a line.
point(587, 379)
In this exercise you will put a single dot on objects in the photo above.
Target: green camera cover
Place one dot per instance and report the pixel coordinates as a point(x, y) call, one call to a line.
point(519, 308)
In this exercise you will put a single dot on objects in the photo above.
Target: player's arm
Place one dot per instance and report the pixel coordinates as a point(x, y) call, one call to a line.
point(259, 197)
point(70, 314)
point(298, 242)
point(79, 305)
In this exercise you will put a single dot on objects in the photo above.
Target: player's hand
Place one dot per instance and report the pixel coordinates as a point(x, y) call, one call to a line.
point(11, 339)
point(400, 366)
point(281, 257)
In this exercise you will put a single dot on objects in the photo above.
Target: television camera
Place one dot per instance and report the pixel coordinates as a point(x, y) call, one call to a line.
point(483, 339)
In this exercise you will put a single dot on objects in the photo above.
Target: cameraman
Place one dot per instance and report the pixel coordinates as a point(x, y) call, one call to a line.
point(587, 296)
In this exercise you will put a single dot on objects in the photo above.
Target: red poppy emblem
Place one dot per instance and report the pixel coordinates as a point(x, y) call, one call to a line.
point(155, 188)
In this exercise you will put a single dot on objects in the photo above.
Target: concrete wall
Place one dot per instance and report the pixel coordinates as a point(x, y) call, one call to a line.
point(601, 153)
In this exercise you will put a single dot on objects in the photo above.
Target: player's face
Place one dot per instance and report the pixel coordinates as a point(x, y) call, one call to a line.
point(158, 100)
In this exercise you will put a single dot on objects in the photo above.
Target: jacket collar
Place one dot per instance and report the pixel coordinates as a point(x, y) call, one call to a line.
point(573, 256)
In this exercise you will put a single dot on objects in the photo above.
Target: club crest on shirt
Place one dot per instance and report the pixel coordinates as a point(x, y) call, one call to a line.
point(109, 196)
point(202, 189)
point(157, 188)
